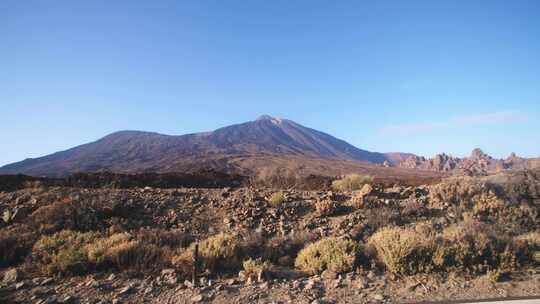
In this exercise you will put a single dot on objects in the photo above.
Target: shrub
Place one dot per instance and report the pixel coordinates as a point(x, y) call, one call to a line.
point(282, 249)
point(532, 239)
point(536, 257)
point(15, 244)
point(138, 256)
point(124, 252)
point(326, 207)
point(99, 251)
point(67, 214)
point(221, 252)
point(477, 247)
point(403, 250)
point(351, 182)
point(255, 269)
point(276, 199)
point(338, 255)
point(62, 253)
point(174, 238)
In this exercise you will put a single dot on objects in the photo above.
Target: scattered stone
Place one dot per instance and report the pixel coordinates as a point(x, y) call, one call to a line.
point(19, 285)
point(125, 290)
point(11, 276)
point(198, 298)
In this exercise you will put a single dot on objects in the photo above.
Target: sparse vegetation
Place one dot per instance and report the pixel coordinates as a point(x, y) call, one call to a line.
point(337, 255)
point(283, 249)
point(276, 199)
point(221, 252)
point(255, 269)
point(352, 182)
point(62, 253)
point(326, 207)
point(403, 250)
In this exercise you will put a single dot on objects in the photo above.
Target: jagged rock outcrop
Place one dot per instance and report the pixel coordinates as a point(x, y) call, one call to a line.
point(478, 163)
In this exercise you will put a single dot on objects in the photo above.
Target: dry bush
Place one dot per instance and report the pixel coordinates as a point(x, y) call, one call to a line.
point(125, 252)
point(283, 249)
point(326, 207)
point(532, 239)
point(62, 253)
point(98, 251)
point(477, 247)
point(255, 269)
point(173, 239)
point(337, 255)
point(138, 256)
point(67, 214)
point(15, 244)
point(277, 199)
point(403, 250)
point(351, 182)
point(219, 253)
point(536, 257)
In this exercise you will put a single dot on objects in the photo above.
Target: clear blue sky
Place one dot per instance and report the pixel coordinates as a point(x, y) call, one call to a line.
point(414, 76)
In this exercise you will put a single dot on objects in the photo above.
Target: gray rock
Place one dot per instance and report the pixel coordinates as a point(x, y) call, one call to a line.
point(124, 290)
point(19, 285)
point(11, 276)
point(197, 298)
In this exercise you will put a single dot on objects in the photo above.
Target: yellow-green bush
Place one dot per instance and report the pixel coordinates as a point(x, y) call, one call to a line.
point(62, 253)
point(255, 268)
point(478, 247)
point(99, 251)
point(276, 199)
point(403, 250)
point(338, 255)
point(536, 256)
point(532, 239)
point(326, 207)
point(221, 252)
point(352, 182)
point(281, 249)
point(124, 252)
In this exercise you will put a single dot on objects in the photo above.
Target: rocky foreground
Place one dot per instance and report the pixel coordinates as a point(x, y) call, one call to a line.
point(463, 238)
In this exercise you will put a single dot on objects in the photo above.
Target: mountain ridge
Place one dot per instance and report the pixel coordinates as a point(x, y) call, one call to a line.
point(131, 150)
point(262, 144)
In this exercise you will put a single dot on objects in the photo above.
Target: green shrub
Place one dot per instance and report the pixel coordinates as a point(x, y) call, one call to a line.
point(351, 182)
point(62, 253)
point(403, 250)
point(277, 199)
point(338, 255)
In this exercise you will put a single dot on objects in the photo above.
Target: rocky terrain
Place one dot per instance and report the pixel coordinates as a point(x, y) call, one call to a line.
point(478, 163)
point(460, 238)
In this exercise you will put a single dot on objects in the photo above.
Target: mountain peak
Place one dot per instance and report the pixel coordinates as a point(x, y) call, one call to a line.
point(266, 117)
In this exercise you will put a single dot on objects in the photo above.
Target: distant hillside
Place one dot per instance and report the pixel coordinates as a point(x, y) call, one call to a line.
point(135, 151)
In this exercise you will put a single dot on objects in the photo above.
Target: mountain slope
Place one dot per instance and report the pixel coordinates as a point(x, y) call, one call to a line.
point(134, 151)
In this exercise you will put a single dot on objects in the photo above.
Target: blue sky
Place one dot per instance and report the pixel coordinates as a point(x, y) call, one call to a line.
point(414, 76)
